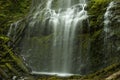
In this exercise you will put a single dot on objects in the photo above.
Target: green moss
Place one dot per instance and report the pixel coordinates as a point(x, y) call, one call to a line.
point(11, 11)
point(96, 34)
point(102, 74)
point(10, 67)
point(4, 39)
point(16, 59)
point(3, 74)
point(96, 11)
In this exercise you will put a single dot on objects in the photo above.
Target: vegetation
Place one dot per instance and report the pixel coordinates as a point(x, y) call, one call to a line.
point(11, 11)
point(10, 63)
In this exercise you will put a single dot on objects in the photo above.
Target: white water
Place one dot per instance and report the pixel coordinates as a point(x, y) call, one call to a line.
point(107, 16)
point(53, 74)
point(64, 26)
point(64, 21)
point(107, 30)
point(107, 22)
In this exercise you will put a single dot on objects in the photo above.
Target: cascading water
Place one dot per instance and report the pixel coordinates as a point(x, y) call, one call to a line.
point(107, 29)
point(49, 39)
point(107, 16)
point(64, 26)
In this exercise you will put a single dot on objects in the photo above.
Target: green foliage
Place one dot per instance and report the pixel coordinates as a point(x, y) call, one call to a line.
point(9, 60)
point(10, 11)
point(4, 38)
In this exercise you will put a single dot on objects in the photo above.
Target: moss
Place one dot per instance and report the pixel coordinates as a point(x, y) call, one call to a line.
point(16, 59)
point(96, 12)
point(96, 34)
point(3, 74)
point(103, 73)
point(10, 63)
point(4, 39)
point(11, 11)
point(10, 67)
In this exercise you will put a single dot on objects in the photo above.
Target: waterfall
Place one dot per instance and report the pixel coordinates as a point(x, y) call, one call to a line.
point(48, 43)
point(109, 33)
point(107, 28)
point(14, 32)
point(107, 16)
point(64, 26)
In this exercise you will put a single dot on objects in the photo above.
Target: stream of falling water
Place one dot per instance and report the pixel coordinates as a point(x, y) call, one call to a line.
point(64, 25)
point(63, 20)
point(107, 29)
point(107, 16)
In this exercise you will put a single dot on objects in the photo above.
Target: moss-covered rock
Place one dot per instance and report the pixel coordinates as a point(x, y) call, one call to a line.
point(10, 63)
point(99, 54)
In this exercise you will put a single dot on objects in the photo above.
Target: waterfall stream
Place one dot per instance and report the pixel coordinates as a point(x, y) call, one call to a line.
point(107, 16)
point(107, 29)
point(48, 42)
point(64, 26)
